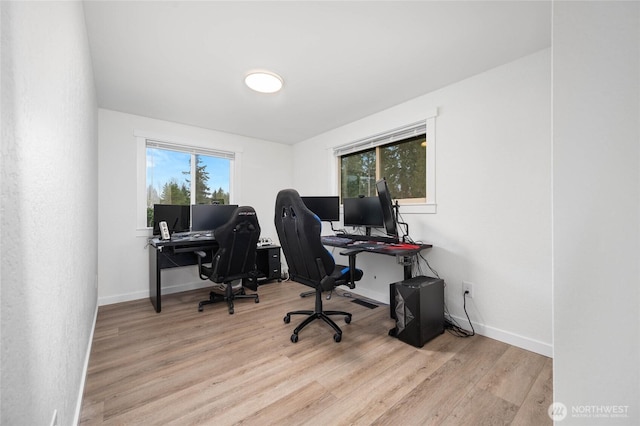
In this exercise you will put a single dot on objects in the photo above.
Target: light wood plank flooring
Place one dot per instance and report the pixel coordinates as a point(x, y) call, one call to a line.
point(184, 367)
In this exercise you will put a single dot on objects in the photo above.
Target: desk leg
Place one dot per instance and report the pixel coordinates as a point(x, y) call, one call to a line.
point(154, 278)
point(352, 271)
point(407, 267)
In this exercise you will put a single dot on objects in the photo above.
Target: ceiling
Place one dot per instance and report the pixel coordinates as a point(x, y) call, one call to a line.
point(341, 61)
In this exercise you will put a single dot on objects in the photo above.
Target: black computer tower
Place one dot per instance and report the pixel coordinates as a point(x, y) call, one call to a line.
point(418, 308)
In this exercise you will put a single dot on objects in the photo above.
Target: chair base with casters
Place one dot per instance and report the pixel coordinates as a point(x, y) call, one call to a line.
point(229, 296)
point(312, 292)
point(307, 293)
point(317, 313)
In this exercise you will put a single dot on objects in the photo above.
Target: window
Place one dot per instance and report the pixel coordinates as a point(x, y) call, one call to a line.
point(404, 156)
point(182, 175)
point(358, 174)
point(403, 164)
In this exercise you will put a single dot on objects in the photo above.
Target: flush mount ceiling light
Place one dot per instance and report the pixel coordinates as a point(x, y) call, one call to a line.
point(264, 81)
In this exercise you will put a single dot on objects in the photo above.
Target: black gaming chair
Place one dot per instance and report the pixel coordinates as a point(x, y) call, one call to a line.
point(309, 261)
point(233, 266)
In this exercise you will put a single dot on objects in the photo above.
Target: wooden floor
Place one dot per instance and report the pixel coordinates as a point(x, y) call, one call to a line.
point(182, 367)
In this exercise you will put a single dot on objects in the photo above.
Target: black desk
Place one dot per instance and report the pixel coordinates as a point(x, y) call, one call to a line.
point(404, 251)
point(164, 254)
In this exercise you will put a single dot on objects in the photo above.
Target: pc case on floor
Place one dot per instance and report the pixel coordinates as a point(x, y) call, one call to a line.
point(417, 304)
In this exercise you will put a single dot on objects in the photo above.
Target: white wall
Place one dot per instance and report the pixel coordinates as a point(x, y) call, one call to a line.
point(49, 211)
point(493, 177)
point(265, 167)
point(596, 210)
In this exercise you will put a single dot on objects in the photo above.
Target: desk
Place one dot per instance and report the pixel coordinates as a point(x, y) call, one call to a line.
point(404, 251)
point(164, 254)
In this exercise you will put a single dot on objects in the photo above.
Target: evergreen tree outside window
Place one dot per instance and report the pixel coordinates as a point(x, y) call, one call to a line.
point(402, 163)
point(358, 174)
point(169, 177)
point(212, 180)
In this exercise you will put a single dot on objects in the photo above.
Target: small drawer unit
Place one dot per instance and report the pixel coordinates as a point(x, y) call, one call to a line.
point(268, 263)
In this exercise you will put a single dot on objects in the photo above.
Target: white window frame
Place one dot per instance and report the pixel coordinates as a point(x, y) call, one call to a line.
point(427, 127)
point(146, 139)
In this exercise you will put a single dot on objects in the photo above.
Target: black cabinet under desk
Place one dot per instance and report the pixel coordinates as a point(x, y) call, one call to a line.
point(268, 263)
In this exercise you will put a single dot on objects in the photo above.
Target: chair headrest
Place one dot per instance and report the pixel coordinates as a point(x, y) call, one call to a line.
point(288, 201)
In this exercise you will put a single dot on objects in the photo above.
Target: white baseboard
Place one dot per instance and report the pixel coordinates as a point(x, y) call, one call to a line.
point(85, 369)
point(510, 338)
point(513, 339)
point(144, 294)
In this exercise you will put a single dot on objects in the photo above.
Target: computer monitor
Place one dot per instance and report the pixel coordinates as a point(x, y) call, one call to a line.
point(326, 208)
point(177, 217)
point(363, 211)
point(386, 203)
point(208, 217)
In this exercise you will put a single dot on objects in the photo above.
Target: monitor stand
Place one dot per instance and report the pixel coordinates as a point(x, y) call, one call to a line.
point(396, 214)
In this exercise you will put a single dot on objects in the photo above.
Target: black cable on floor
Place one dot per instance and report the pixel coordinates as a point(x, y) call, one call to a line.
point(454, 328)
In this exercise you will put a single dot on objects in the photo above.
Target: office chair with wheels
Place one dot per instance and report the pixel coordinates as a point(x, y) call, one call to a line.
point(233, 265)
point(309, 261)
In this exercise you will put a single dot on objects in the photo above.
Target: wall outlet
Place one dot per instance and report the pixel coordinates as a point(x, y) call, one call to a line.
point(467, 289)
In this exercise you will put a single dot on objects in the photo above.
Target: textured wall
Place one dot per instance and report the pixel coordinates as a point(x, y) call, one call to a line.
point(596, 211)
point(49, 210)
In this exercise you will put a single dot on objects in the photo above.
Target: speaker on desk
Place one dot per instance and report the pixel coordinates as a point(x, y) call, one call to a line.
point(418, 307)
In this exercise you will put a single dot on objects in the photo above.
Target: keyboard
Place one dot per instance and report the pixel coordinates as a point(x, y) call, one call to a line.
point(192, 234)
point(368, 245)
point(335, 240)
point(375, 238)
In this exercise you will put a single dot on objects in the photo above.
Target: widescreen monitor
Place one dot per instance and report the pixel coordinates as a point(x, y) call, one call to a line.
point(386, 203)
point(326, 208)
point(208, 217)
point(363, 211)
point(177, 218)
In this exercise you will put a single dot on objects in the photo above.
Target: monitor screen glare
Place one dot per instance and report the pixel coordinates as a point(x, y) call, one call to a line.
point(208, 217)
point(177, 218)
point(326, 208)
point(363, 211)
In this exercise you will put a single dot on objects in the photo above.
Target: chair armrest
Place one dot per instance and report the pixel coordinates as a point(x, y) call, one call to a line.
point(327, 283)
point(204, 272)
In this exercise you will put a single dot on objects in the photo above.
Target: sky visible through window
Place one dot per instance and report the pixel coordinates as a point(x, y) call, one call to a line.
point(218, 169)
point(165, 165)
